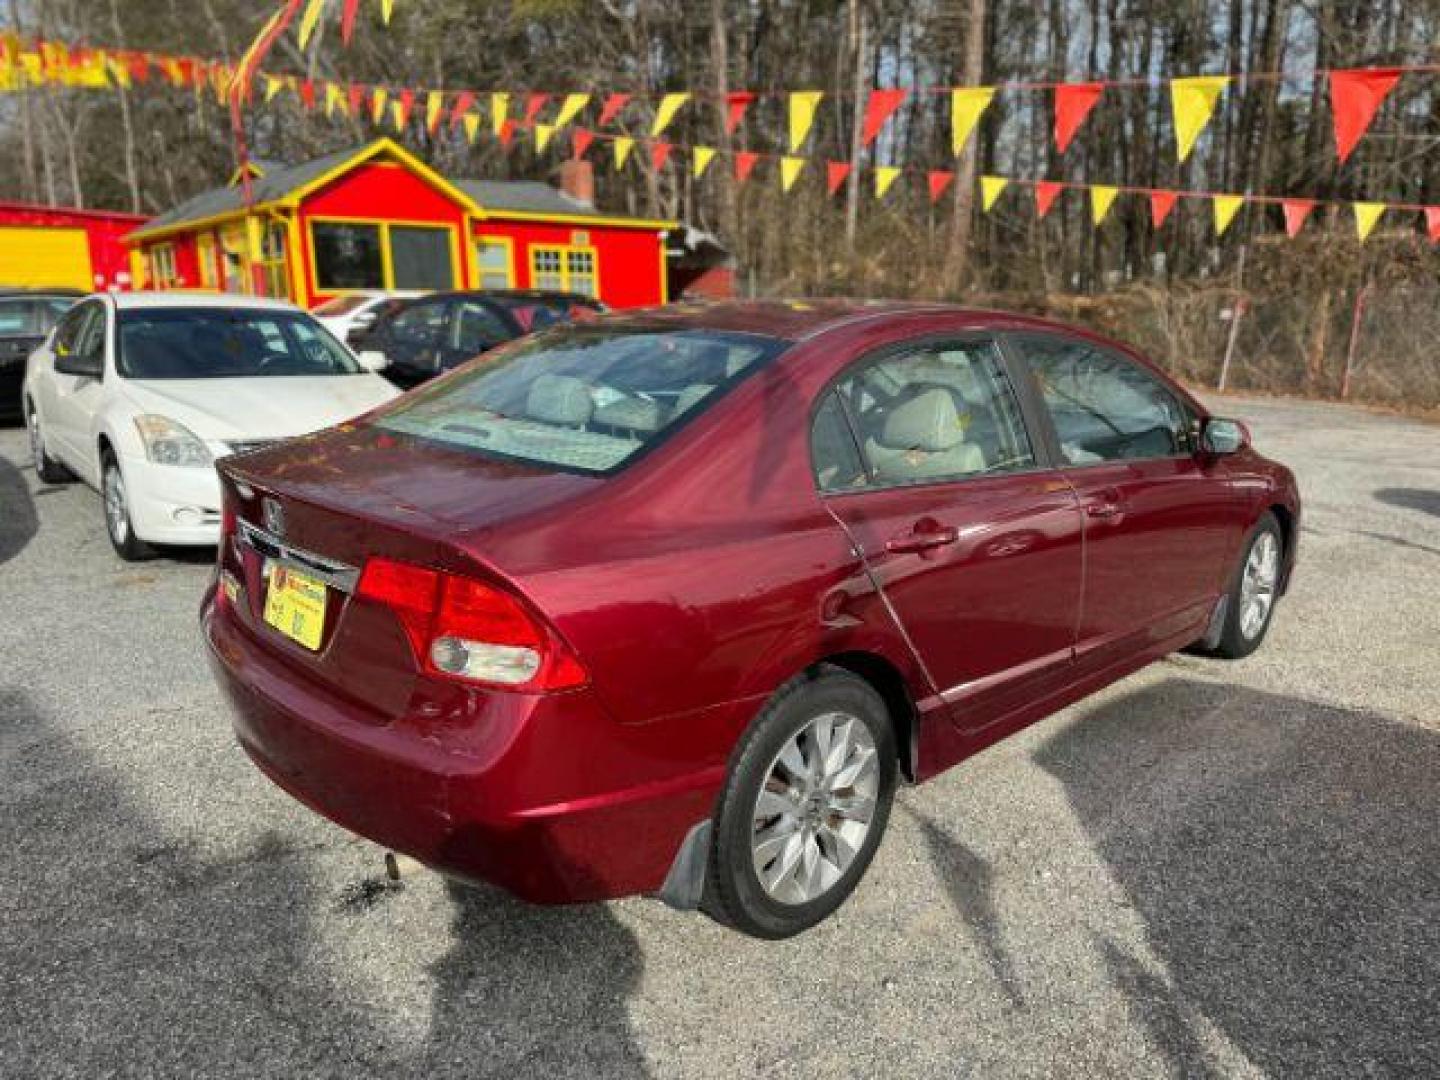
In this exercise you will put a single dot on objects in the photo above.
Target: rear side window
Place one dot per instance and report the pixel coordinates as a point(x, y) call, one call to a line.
point(941, 411)
point(1104, 407)
point(585, 398)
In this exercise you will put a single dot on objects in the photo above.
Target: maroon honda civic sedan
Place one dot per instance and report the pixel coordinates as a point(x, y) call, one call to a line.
point(670, 601)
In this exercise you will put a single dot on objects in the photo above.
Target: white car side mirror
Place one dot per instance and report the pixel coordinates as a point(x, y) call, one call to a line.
point(373, 361)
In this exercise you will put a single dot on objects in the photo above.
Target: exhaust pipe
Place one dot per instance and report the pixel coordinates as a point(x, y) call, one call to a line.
point(398, 865)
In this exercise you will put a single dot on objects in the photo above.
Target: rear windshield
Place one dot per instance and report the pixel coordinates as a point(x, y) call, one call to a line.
point(586, 398)
point(226, 343)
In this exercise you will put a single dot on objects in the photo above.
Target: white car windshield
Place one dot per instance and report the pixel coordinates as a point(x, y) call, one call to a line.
point(226, 343)
point(581, 397)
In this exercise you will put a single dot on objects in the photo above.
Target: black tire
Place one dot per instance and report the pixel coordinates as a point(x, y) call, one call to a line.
point(118, 526)
point(1235, 641)
point(47, 468)
point(734, 892)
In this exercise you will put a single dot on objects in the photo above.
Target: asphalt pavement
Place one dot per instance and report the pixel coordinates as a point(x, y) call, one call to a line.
point(1209, 869)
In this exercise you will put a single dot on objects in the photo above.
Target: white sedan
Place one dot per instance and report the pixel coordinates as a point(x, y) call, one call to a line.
point(138, 394)
point(357, 310)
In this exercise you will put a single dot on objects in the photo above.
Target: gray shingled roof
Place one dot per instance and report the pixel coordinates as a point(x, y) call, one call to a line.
point(527, 196)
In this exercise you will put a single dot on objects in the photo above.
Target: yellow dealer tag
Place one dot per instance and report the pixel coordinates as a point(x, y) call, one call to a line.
point(295, 605)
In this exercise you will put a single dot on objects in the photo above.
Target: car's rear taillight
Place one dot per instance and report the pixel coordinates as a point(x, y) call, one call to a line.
point(470, 630)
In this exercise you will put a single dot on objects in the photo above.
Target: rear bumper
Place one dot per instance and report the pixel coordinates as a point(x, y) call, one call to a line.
point(542, 795)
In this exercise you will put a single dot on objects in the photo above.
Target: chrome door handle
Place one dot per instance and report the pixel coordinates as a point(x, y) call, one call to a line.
point(1103, 509)
point(922, 540)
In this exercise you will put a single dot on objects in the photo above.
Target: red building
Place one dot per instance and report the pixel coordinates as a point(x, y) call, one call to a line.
point(379, 218)
point(50, 247)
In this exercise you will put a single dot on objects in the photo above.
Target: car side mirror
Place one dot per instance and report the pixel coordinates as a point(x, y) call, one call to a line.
point(373, 361)
point(1224, 436)
point(83, 367)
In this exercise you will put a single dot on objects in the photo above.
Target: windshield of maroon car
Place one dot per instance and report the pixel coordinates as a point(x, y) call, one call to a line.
point(226, 343)
point(583, 398)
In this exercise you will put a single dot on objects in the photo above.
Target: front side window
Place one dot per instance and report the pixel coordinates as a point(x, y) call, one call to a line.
point(72, 327)
point(347, 256)
point(833, 452)
point(422, 324)
point(584, 398)
point(1104, 407)
point(936, 412)
point(226, 343)
point(478, 328)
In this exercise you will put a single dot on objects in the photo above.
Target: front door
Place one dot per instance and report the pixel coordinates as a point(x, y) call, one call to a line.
point(75, 398)
point(1158, 518)
point(975, 545)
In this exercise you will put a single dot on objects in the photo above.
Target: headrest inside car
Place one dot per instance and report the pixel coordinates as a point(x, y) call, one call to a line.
point(559, 399)
point(928, 421)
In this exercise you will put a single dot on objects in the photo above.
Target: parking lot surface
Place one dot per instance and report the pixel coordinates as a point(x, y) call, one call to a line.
point(1210, 869)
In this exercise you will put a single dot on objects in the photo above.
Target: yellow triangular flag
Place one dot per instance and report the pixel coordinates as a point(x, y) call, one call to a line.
point(967, 105)
point(499, 107)
point(700, 160)
point(434, 102)
point(623, 145)
point(334, 99)
point(803, 104)
point(570, 108)
point(1225, 208)
point(990, 189)
point(387, 8)
point(272, 87)
point(1193, 102)
point(1367, 214)
point(884, 176)
point(1102, 197)
point(397, 115)
point(472, 125)
point(378, 97)
point(669, 106)
point(542, 135)
point(120, 73)
point(309, 20)
point(789, 169)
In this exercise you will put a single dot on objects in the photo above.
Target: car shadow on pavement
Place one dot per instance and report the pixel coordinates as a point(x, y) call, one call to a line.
point(132, 945)
point(1427, 502)
point(18, 521)
point(1285, 860)
point(534, 991)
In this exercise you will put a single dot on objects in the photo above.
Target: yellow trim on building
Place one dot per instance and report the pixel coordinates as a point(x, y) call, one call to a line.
point(578, 219)
point(564, 251)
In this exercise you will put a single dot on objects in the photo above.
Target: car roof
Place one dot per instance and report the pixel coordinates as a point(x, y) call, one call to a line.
point(798, 320)
point(130, 301)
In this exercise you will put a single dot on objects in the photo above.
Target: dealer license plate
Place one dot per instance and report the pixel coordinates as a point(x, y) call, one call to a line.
point(295, 605)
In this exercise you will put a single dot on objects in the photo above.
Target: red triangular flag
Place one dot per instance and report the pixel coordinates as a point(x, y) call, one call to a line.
point(507, 133)
point(835, 174)
point(1046, 192)
point(407, 102)
point(1355, 96)
point(611, 109)
point(533, 104)
point(939, 180)
point(355, 96)
point(307, 93)
point(735, 106)
point(1432, 223)
point(659, 154)
point(580, 140)
point(139, 65)
point(347, 21)
point(879, 107)
point(464, 102)
point(744, 164)
point(1161, 203)
point(1296, 211)
point(1073, 102)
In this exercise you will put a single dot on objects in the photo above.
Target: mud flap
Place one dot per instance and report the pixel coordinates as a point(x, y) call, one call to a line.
point(685, 883)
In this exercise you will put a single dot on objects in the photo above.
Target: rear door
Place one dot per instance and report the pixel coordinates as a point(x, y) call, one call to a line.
point(416, 340)
point(1159, 519)
point(973, 540)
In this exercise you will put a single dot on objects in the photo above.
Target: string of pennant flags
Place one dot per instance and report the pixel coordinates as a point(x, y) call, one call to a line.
point(1355, 94)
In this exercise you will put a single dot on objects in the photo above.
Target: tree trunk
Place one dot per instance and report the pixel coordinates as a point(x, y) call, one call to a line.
point(860, 44)
point(962, 208)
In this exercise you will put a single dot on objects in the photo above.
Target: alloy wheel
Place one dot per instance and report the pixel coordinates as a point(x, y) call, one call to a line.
point(1257, 586)
point(814, 810)
point(117, 516)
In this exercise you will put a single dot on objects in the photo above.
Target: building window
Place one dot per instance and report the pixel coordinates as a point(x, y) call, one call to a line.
point(205, 252)
point(565, 269)
point(162, 266)
point(493, 255)
point(273, 261)
point(348, 255)
point(379, 255)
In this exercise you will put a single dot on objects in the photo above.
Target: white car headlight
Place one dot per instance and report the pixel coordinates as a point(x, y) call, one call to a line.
point(169, 443)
